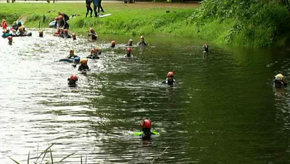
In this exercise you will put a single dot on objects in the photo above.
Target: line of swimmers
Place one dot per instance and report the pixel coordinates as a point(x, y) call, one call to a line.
point(95, 52)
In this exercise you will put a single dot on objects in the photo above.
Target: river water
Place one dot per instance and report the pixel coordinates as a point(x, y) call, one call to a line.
point(223, 109)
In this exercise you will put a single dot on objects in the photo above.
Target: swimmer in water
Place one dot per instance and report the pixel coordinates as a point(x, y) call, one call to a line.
point(72, 80)
point(94, 54)
point(205, 50)
point(146, 126)
point(74, 36)
point(113, 44)
point(142, 42)
point(71, 54)
point(128, 53)
point(130, 42)
point(170, 78)
point(40, 33)
point(93, 34)
point(280, 81)
point(84, 65)
point(65, 34)
point(10, 40)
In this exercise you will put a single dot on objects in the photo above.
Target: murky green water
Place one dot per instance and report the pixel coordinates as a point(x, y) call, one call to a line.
point(223, 109)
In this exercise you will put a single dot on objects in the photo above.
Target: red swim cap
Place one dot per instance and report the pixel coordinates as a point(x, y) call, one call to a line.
point(74, 77)
point(129, 49)
point(170, 74)
point(146, 124)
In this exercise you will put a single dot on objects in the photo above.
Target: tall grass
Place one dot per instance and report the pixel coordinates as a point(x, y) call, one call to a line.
point(39, 159)
point(256, 23)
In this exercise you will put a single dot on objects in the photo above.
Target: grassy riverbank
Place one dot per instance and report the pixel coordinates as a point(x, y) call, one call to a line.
point(257, 23)
point(126, 19)
point(265, 29)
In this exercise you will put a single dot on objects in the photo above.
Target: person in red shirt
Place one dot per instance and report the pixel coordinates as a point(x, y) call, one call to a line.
point(4, 24)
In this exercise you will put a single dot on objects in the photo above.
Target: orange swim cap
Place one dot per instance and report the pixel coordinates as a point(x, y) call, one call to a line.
point(84, 61)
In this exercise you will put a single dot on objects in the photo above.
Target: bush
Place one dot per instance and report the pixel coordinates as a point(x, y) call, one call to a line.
point(256, 23)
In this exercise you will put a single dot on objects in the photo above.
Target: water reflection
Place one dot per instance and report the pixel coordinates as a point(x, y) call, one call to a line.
point(221, 105)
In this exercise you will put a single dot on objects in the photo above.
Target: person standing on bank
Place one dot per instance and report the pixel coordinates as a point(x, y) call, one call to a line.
point(100, 6)
point(96, 3)
point(89, 8)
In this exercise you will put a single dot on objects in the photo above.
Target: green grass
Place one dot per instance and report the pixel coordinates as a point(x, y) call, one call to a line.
point(126, 19)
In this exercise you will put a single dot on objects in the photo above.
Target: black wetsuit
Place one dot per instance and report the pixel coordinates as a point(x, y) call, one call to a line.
point(100, 6)
point(83, 67)
point(169, 82)
point(64, 35)
point(89, 8)
point(129, 44)
point(71, 83)
point(94, 56)
point(205, 48)
point(94, 35)
point(64, 24)
point(15, 26)
point(146, 133)
point(129, 55)
point(142, 43)
point(66, 17)
point(280, 83)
